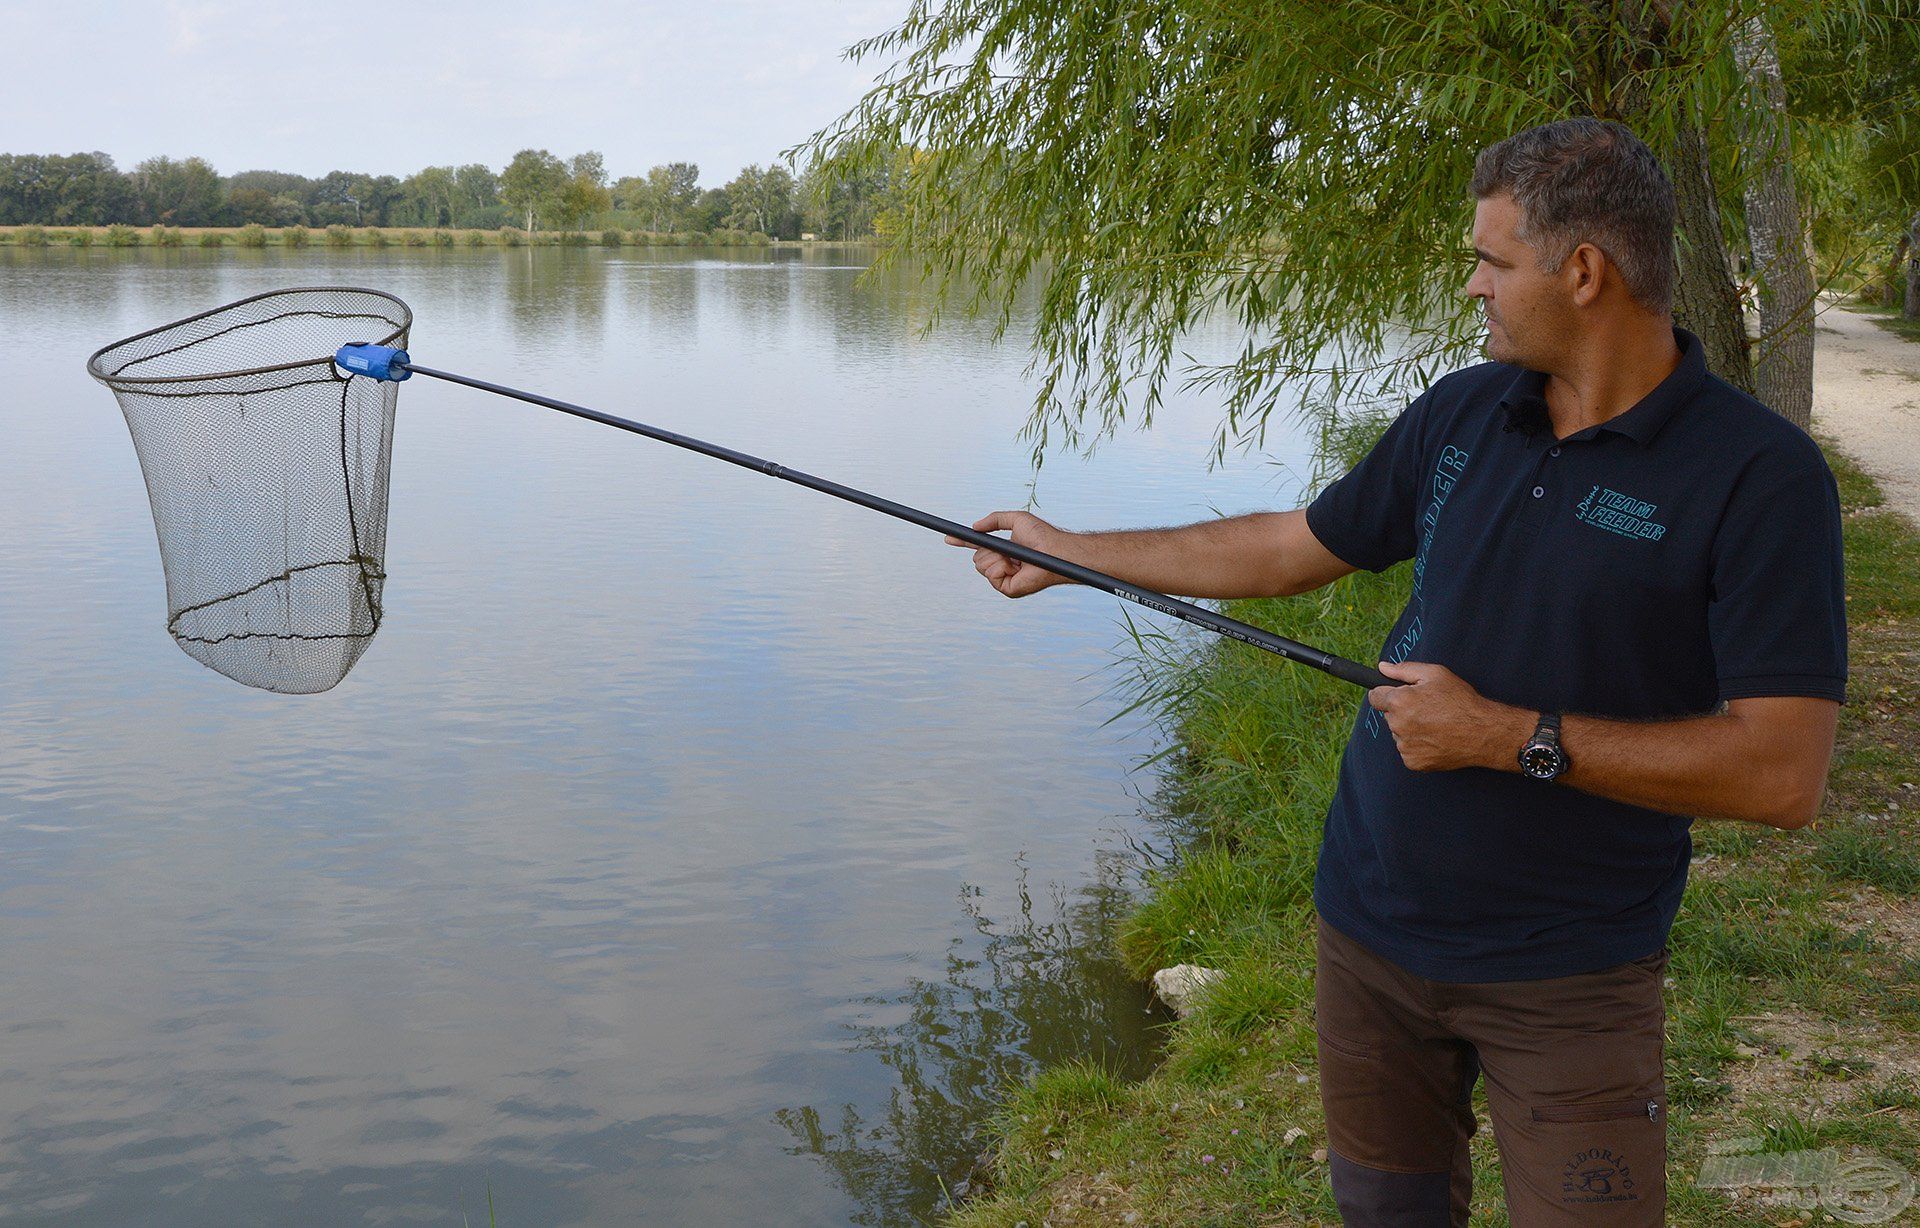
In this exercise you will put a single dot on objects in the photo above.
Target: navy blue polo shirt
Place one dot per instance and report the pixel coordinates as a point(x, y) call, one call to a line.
point(1684, 553)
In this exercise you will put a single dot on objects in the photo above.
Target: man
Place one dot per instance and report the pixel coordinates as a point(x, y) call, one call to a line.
point(1627, 609)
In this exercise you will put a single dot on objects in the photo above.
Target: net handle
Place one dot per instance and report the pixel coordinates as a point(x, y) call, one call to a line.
point(1339, 667)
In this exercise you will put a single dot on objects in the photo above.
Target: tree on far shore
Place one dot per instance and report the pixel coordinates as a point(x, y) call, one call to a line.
point(762, 199)
point(184, 193)
point(663, 197)
point(584, 192)
point(532, 183)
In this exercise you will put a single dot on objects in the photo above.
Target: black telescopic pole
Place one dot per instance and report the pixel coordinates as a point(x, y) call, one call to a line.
point(1339, 667)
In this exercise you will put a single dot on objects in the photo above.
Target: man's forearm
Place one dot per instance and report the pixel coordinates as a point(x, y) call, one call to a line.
point(1705, 766)
point(1235, 556)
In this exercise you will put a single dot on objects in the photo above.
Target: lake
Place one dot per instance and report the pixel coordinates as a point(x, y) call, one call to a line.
point(688, 848)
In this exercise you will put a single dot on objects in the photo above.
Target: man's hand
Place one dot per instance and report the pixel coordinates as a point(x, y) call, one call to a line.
point(1010, 576)
point(1440, 722)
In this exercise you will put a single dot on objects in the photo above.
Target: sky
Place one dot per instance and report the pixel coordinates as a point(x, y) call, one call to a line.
point(265, 85)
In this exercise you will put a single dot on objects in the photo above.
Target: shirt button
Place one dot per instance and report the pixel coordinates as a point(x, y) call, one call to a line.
point(1539, 491)
point(1553, 451)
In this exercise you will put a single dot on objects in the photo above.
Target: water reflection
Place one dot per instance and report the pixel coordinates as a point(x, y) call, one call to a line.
point(1031, 991)
point(562, 292)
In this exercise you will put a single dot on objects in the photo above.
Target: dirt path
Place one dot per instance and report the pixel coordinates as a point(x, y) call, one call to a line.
point(1866, 396)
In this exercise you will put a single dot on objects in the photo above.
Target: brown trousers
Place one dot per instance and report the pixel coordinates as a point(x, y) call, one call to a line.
point(1575, 1084)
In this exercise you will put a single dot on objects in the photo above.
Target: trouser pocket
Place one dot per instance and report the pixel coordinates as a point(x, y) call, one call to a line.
point(1347, 1048)
point(1612, 1110)
point(1597, 1162)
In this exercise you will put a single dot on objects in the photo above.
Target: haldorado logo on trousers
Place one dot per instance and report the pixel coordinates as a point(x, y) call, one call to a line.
point(1597, 1175)
point(1622, 514)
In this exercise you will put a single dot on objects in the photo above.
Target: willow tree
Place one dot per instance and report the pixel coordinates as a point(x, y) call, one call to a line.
point(1299, 164)
point(1864, 92)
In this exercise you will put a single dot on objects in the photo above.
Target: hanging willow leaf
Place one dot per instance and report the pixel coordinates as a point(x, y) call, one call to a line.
point(1296, 167)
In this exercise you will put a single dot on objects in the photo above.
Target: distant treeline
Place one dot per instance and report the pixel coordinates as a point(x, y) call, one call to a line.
point(535, 191)
point(253, 234)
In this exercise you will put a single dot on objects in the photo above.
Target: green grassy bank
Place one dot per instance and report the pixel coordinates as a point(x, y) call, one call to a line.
point(1794, 993)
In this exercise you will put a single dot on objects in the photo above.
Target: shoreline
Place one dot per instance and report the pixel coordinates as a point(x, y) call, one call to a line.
point(28, 236)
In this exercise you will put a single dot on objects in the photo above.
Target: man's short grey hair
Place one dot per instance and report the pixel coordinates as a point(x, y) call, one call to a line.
point(1589, 181)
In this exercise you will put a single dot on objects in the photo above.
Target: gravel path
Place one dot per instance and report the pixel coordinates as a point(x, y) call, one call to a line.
point(1866, 396)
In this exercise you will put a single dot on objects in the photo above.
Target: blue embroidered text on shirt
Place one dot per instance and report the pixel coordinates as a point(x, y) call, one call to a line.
point(1618, 513)
point(1453, 462)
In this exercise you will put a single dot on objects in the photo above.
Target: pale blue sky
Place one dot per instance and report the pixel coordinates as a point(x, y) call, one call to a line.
point(263, 84)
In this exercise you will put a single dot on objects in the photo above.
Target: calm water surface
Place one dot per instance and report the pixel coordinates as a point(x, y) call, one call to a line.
point(690, 848)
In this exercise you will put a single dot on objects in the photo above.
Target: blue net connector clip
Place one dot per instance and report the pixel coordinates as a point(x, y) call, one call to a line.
point(375, 361)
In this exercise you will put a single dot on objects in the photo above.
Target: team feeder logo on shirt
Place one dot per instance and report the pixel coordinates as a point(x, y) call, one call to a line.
point(1618, 513)
point(1446, 475)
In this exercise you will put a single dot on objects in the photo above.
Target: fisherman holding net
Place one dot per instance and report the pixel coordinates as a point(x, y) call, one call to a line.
point(1627, 609)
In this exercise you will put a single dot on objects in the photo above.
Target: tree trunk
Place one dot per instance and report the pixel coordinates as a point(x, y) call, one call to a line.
point(1895, 272)
point(1912, 308)
point(1704, 299)
point(1776, 235)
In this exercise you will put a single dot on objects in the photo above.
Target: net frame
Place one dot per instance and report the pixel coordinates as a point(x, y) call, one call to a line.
point(227, 442)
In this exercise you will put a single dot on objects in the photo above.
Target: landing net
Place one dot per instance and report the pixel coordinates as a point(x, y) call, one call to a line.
point(267, 469)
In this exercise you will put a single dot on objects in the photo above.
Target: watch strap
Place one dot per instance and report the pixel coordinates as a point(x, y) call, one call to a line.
point(1546, 735)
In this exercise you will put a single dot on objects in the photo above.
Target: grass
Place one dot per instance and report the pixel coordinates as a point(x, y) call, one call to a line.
point(1794, 1009)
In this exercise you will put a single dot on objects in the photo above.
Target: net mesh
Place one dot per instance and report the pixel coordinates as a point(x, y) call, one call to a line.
point(267, 469)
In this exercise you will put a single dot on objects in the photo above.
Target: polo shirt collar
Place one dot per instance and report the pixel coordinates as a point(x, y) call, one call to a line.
point(1526, 405)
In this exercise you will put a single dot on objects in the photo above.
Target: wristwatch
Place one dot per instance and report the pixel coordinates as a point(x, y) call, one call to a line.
point(1541, 758)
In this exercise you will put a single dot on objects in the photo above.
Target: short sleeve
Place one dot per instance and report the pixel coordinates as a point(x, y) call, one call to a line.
point(1777, 619)
point(1368, 517)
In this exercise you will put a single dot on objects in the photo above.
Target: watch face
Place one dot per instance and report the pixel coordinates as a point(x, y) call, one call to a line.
point(1540, 761)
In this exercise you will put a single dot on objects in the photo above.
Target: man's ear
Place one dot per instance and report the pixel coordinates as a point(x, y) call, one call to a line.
point(1586, 273)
